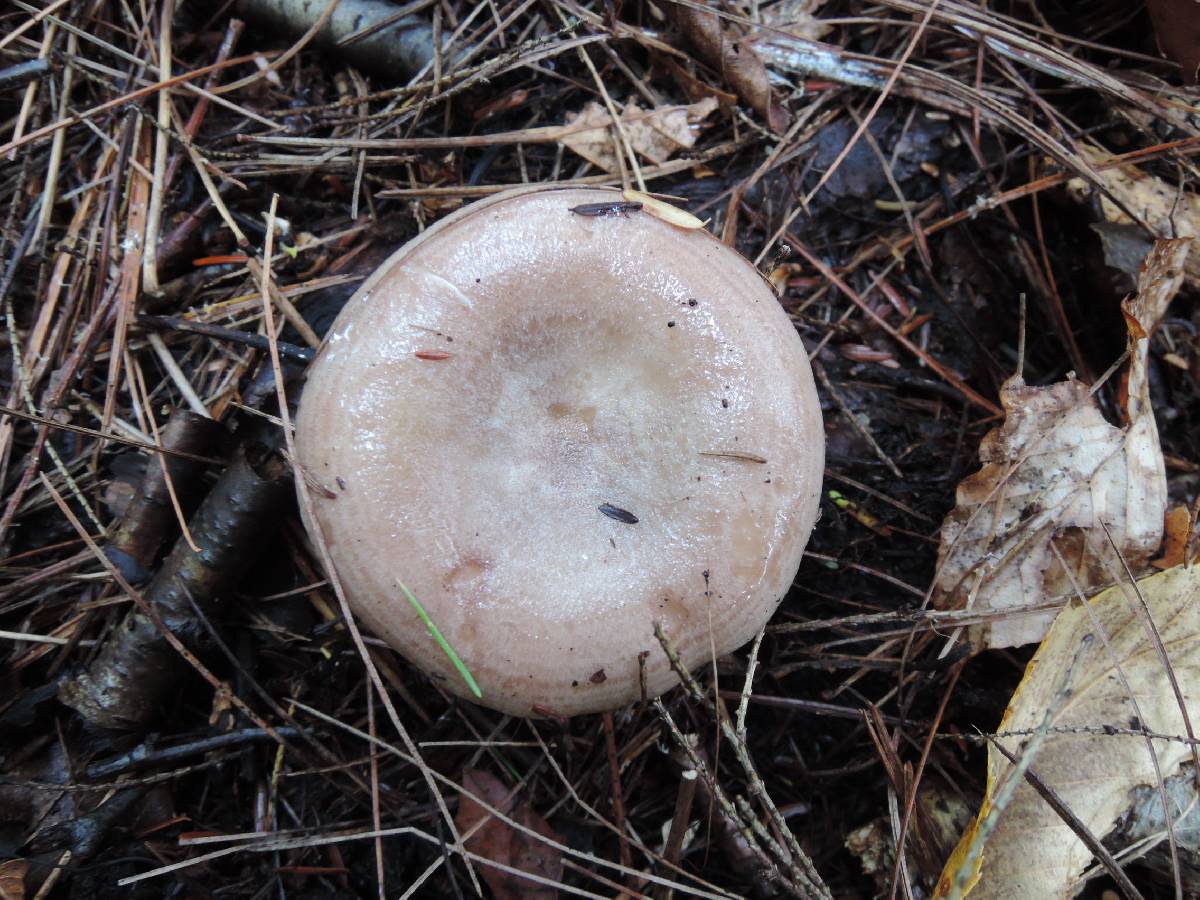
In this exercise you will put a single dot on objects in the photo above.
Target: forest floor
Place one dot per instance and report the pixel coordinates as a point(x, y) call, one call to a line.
point(922, 184)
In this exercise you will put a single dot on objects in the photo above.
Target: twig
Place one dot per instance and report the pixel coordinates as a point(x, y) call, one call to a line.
point(293, 316)
point(795, 859)
point(673, 847)
point(147, 755)
point(158, 185)
point(852, 420)
point(176, 375)
point(92, 432)
point(136, 669)
point(249, 338)
point(1131, 695)
point(147, 521)
point(949, 376)
point(766, 868)
point(614, 777)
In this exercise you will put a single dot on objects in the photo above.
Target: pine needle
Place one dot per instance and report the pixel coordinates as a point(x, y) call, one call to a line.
point(442, 642)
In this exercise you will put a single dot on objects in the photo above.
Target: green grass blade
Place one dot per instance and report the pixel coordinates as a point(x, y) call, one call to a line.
point(442, 642)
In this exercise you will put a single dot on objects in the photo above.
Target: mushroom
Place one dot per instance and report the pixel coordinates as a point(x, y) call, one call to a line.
point(556, 419)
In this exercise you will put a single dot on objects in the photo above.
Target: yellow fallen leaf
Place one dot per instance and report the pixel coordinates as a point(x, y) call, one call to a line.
point(660, 209)
point(1058, 471)
point(1079, 675)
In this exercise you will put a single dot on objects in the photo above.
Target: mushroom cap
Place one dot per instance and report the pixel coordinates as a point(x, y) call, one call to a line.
point(500, 401)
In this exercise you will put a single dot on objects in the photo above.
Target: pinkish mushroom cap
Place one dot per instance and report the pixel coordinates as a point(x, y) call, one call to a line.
point(557, 430)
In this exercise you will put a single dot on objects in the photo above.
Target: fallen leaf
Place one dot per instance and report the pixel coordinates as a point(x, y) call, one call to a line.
point(1144, 824)
point(797, 18)
point(1079, 674)
point(1177, 26)
point(498, 841)
point(734, 58)
point(1057, 471)
point(655, 134)
point(946, 814)
point(1178, 529)
point(660, 209)
point(1168, 209)
point(1124, 246)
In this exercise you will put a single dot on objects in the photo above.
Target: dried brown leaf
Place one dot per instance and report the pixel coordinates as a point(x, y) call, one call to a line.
point(498, 841)
point(1169, 209)
point(1031, 853)
point(734, 58)
point(655, 134)
point(797, 18)
point(1178, 530)
point(1177, 26)
point(1056, 470)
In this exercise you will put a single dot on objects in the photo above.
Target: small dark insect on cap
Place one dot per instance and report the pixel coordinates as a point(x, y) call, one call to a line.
point(621, 515)
point(619, 207)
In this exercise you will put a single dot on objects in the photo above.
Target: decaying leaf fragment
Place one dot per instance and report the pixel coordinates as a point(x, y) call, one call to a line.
point(944, 813)
point(1178, 527)
point(1177, 26)
point(1169, 209)
point(1057, 476)
point(734, 58)
point(654, 134)
point(502, 843)
point(795, 17)
point(1031, 853)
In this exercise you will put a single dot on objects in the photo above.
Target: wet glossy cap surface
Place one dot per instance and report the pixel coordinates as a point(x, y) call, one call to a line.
point(556, 430)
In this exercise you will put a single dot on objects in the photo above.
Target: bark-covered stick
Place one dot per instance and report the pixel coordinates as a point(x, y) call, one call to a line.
point(24, 71)
point(397, 49)
point(126, 684)
point(150, 517)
